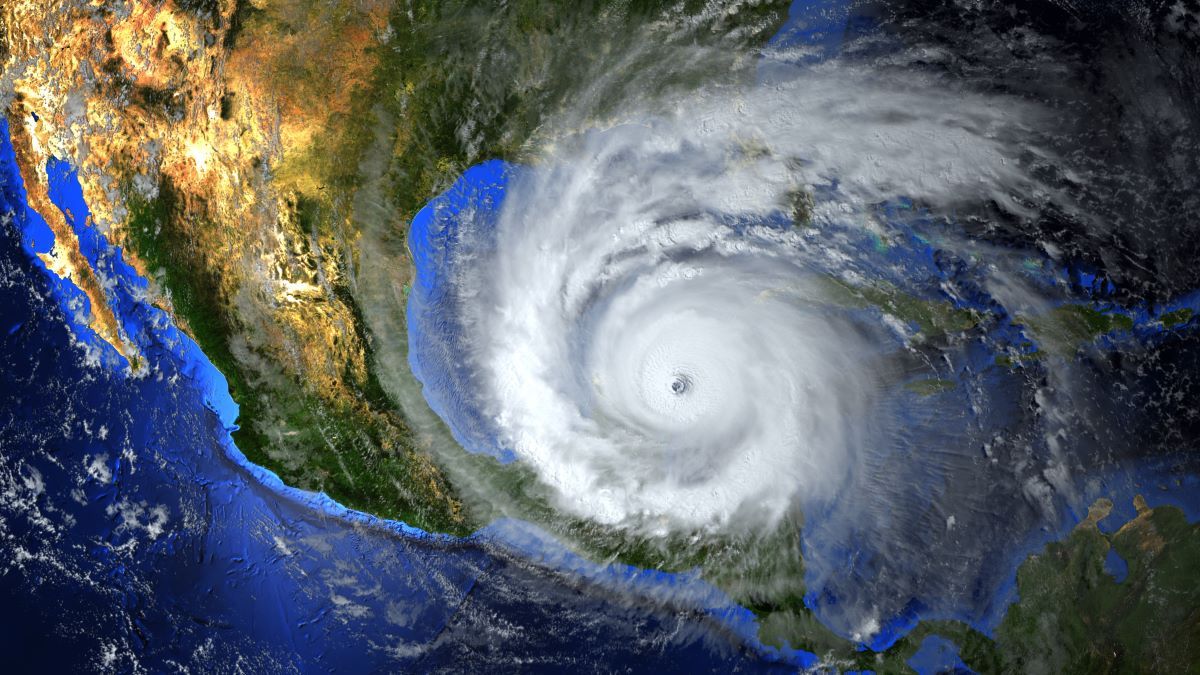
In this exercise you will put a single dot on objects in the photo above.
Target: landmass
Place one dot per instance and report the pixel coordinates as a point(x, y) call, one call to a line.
point(241, 152)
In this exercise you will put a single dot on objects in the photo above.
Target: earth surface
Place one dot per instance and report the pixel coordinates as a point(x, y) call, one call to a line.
point(652, 336)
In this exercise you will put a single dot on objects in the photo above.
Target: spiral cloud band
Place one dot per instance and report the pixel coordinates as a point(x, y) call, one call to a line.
point(648, 317)
point(885, 315)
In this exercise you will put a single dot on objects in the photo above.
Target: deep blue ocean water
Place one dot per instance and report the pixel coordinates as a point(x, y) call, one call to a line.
point(456, 227)
point(135, 534)
point(841, 559)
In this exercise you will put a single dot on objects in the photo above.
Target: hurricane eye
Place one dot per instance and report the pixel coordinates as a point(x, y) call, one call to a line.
point(680, 385)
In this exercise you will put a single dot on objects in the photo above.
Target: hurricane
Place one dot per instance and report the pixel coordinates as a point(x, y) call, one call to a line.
point(836, 294)
point(654, 317)
point(686, 335)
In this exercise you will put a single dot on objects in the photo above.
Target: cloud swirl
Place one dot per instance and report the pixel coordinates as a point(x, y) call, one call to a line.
point(649, 315)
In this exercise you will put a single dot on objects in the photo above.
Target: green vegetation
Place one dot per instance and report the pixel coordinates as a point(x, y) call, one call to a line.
point(1015, 359)
point(1065, 329)
point(342, 452)
point(934, 318)
point(800, 206)
point(458, 82)
point(930, 386)
point(975, 649)
point(1176, 318)
point(169, 256)
point(461, 82)
point(456, 103)
point(1072, 616)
